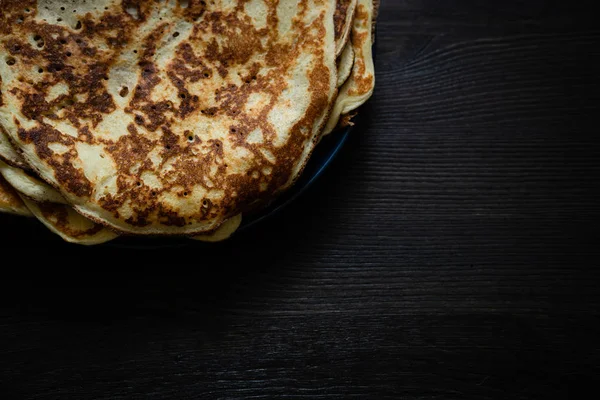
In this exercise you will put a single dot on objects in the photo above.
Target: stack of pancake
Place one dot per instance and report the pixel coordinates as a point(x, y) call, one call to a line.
point(170, 117)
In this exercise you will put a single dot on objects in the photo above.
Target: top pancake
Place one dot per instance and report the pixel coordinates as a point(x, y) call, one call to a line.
point(166, 117)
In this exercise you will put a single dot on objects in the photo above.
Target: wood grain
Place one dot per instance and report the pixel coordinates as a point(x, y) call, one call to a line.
point(449, 252)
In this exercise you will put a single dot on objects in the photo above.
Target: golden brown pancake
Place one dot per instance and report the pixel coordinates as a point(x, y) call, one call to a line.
point(166, 118)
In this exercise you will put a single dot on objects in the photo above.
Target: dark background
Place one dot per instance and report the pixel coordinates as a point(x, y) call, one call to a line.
point(450, 251)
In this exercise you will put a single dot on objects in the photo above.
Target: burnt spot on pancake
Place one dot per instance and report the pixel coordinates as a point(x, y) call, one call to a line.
point(70, 177)
point(129, 149)
point(239, 40)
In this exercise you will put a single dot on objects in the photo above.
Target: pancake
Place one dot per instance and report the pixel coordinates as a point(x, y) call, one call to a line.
point(69, 225)
point(10, 202)
point(342, 19)
point(359, 86)
point(30, 186)
point(166, 118)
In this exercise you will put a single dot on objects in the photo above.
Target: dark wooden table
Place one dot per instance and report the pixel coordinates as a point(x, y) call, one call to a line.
point(451, 251)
